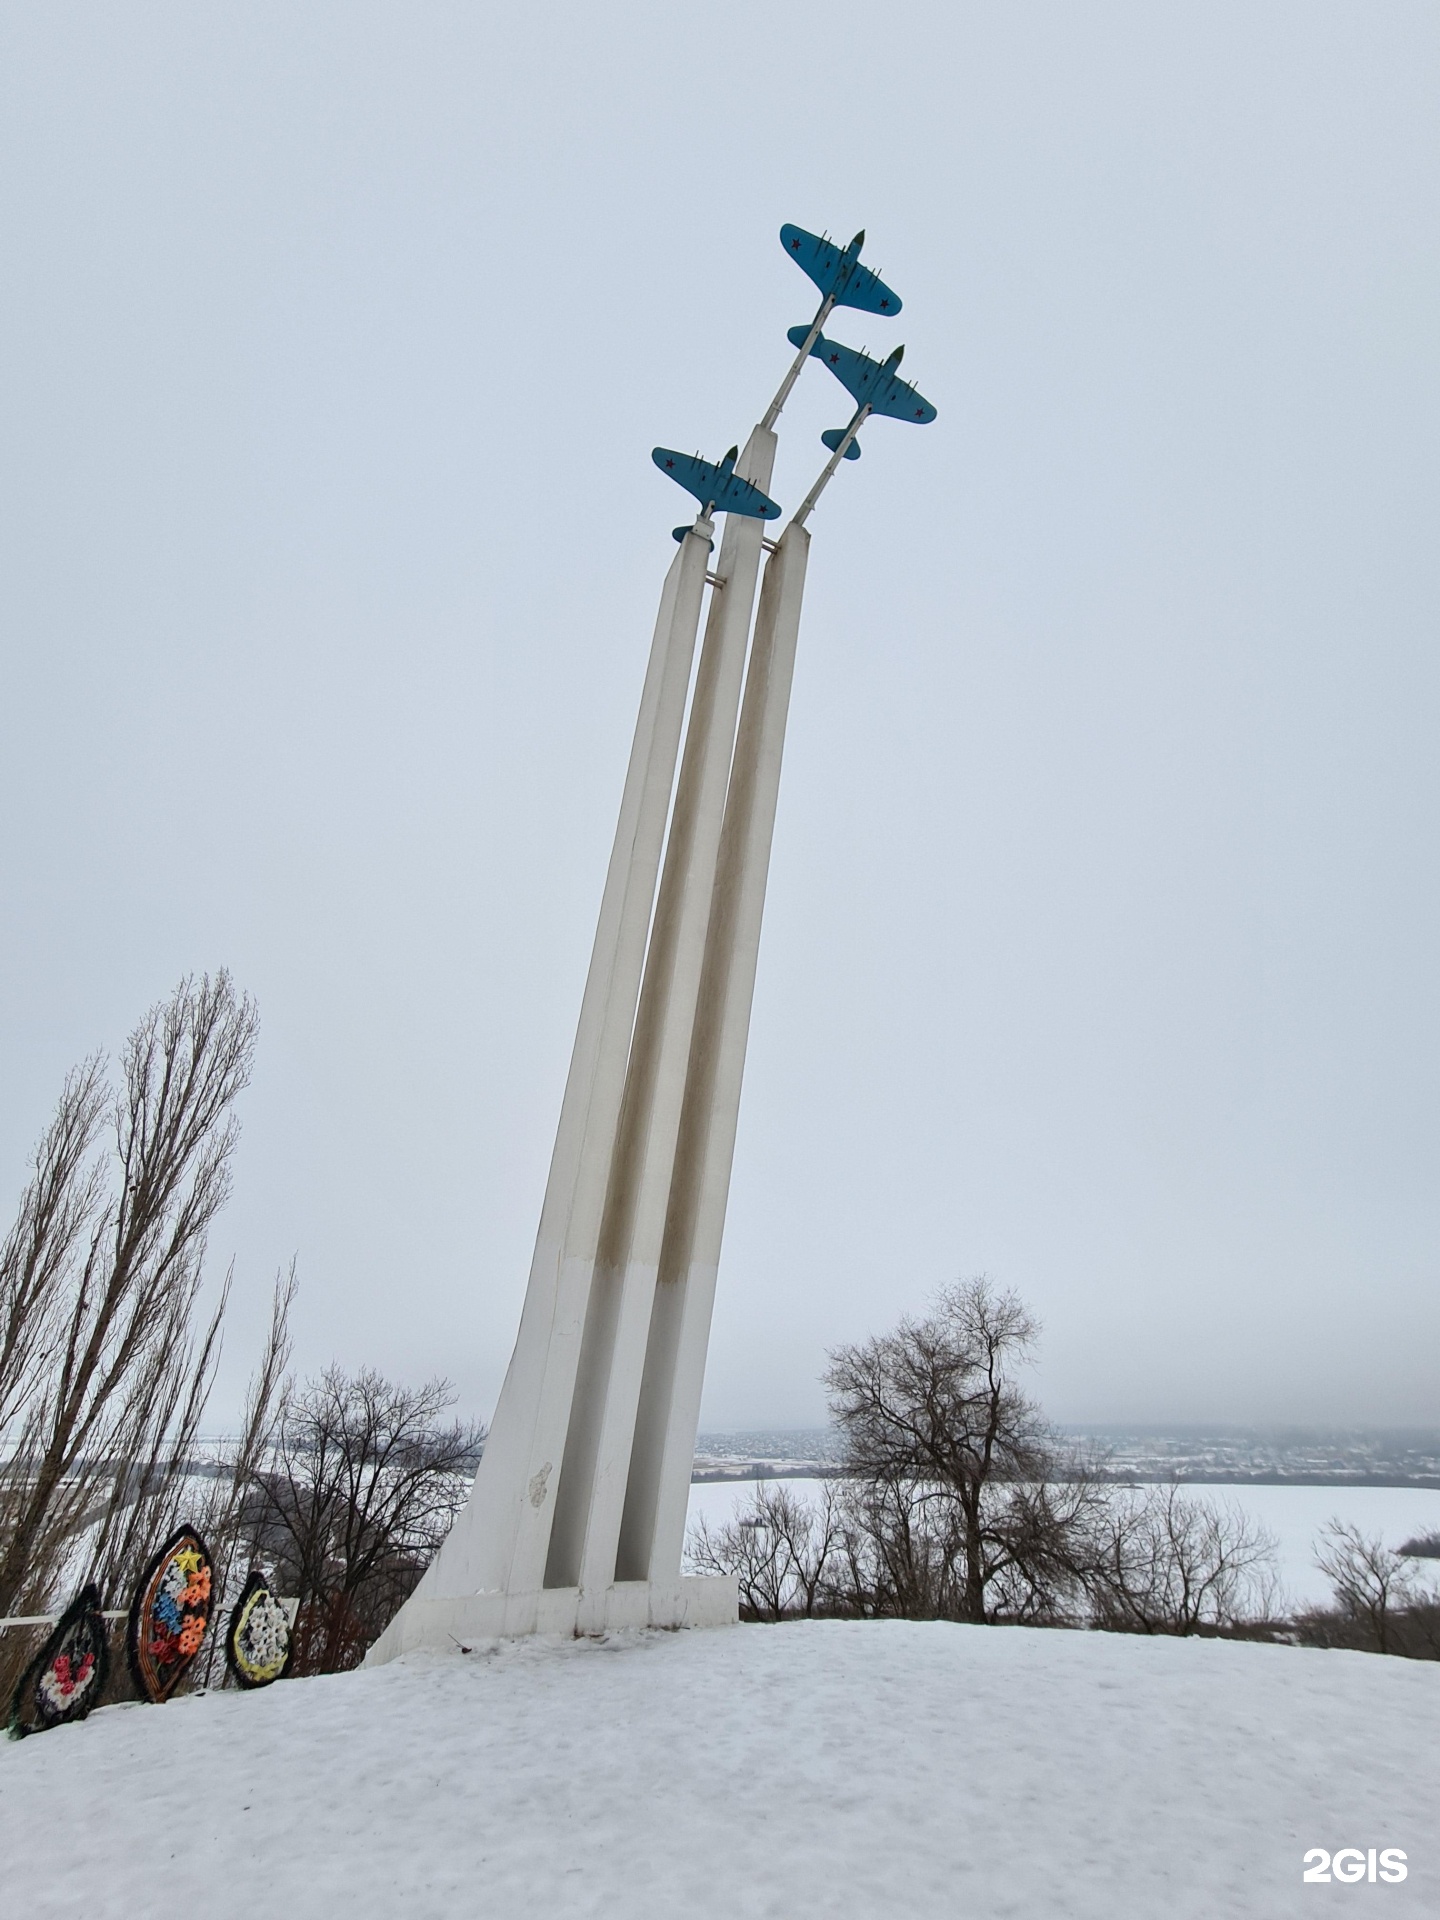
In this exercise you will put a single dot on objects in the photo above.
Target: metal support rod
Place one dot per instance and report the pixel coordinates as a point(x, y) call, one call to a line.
point(807, 505)
point(772, 412)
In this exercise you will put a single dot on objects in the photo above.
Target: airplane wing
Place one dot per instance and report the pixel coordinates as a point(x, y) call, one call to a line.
point(869, 383)
point(713, 485)
point(827, 265)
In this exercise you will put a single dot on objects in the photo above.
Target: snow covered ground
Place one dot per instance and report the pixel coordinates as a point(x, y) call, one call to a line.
point(1294, 1515)
point(854, 1769)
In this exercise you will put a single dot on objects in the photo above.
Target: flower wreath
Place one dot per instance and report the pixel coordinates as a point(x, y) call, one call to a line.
point(259, 1644)
point(67, 1676)
point(169, 1615)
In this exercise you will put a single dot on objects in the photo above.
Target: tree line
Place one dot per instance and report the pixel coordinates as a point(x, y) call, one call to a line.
point(956, 1500)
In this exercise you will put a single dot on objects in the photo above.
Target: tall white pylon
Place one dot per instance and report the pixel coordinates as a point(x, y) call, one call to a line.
point(576, 1519)
point(653, 1530)
point(488, 1576)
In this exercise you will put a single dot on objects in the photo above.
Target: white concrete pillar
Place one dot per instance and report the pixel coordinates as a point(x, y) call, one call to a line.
point(653, 1531)
point(596, 1463)
point(500, 1541)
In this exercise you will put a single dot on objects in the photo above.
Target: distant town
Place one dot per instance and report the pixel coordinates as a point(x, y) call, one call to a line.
point(1240, 1456)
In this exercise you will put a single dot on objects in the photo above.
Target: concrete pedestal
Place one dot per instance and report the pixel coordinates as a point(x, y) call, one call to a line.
point(465, 1618)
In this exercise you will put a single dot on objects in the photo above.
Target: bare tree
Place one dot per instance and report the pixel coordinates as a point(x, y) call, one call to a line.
point(56, 1218)
point(222, 1515)
point(1168, 1562)
point(900, 1549)
point(962, 1504)
point(264, 1409)
point(102, 1379)
point(362, 1487)
point(782, 1552)
point(1371, 1585)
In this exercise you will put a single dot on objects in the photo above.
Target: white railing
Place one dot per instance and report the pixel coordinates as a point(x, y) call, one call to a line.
point(290, 1604)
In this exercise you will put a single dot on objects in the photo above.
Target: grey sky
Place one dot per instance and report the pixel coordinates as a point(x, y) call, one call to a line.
point(1101, 945)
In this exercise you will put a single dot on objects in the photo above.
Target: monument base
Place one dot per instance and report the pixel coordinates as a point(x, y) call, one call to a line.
point(451, 1620)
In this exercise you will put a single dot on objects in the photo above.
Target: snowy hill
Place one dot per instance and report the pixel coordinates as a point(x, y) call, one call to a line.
point(829, 1768)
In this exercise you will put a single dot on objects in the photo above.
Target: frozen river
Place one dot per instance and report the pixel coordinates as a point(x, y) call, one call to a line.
point(1294, 1515)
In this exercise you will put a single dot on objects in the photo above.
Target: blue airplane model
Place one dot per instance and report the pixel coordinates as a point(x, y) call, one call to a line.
point(837, 271)
point(872, 383)
point(842, 281)
point(876, 388)
point(717, 488)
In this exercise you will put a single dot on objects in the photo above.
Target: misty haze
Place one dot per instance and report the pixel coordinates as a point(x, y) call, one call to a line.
point(1081, 1248)
point(1100, 942)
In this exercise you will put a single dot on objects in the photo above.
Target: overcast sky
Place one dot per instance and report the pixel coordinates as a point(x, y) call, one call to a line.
point(1101, 945)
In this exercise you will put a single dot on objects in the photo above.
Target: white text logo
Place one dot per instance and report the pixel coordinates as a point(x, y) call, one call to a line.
point(1351, 1864)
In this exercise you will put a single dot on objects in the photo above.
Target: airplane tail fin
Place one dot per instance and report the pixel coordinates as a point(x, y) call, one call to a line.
point(832, 438)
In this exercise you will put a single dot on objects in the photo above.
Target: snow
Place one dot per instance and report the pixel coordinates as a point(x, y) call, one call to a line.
point(822, 1768)
point(1294, 1515)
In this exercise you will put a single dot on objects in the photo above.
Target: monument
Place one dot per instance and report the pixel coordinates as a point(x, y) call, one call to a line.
point(576, 1520)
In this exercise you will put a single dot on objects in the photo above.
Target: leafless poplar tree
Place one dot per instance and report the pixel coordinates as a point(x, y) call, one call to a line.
point(57, 1214)
point(103, 1377)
